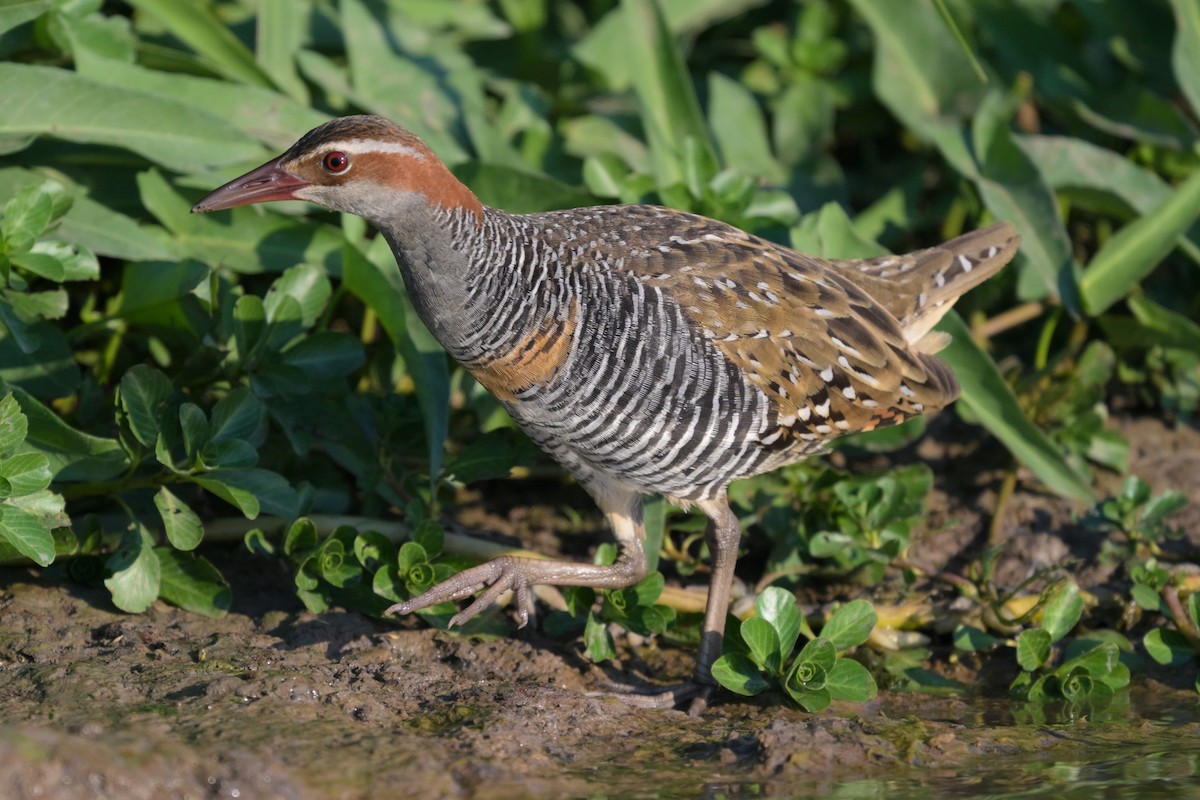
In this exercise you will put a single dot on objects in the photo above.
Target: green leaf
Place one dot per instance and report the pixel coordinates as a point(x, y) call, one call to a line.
point(325, 357)
point(78, 109)
point(1033, 648)
point(1137, 248)
point(195, 24)
point(191, 582)
point(988, 396)
point(252, 490)
point(137, 575)
point(26, 534)
point(492, 455)
point(430, 536)
point(24, 474)
point(14, 426)
point(25, 218)
point(740, 130)
point(971, 639)
point(18, 12)
point(820, 652)
point(1168, 647)
point(598, 641)
point(145, 393)
point(1062, 611)
point(300, 538)
point(194, 426)
point(1146, 597)
point(1185, 51)
point(850, 625)
point(373, 550)
point(738, 673)
point(670, 112)
point(518, 190)
point(778, 607)
point(237, 415)
point(763, 641)
point(182, 525)
point(308, 285)
point(410, 555)
point(812, 701)
point(72, 455)
point(850, 680)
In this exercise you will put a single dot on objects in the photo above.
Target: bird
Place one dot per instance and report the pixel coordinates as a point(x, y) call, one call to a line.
point(648, 350)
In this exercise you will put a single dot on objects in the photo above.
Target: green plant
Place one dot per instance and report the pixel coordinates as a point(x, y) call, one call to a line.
point(758, 653)
point(1138, 518)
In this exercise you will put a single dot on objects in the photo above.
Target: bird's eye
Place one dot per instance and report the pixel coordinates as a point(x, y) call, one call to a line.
point(335, 161)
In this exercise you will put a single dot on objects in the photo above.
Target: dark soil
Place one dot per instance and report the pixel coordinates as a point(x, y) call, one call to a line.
point(272, 701)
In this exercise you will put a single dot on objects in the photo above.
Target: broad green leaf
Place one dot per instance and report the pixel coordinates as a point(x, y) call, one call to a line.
point(740, 130)
point(1015, 191)
point(830, 233)
point(325, 357)
point(25, 218)
point(739, 674)
point(300, 538)
point(1174, 330)
point(519, 191)
point(850, 625)
point(237, 415)
point(1138, 248)
point(196, 24)
point(778, 607)
point(145, 393)
point(14, 425)
point(252, 490)
point(850, 680)
point(72, 454)
point(920, 73)
point(670, 112)
point(1185, 52)
point(1168, 647)
point(281, 30)
point(1033, 648)
point(68, 106)
point(193, 424)
point(760, 636)
point(189, 581)
point(137, 576)
point(987, 395)
point(45, 366)
point(1062, 611)
point(24, 473)
point(606, 47)
point(228, 454)
point(161, 294)
point(308, 285)
point(27, 534)
point(492, 455)
point(263, 114)
point(18, 12)
point(820, 652)
point(182, 525)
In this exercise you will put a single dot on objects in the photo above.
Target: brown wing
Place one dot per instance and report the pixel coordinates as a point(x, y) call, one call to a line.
point(830, 358)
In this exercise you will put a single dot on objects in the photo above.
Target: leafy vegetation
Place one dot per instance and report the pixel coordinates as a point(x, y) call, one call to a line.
point(161, 372)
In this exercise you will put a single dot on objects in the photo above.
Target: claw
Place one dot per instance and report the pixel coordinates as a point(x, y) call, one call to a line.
point(495, 578)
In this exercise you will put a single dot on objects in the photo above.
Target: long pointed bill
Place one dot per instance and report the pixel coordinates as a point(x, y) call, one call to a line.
point(268, 182)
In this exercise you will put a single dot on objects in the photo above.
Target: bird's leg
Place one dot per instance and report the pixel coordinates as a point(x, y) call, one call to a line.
point(723, 535)
point(622, 507)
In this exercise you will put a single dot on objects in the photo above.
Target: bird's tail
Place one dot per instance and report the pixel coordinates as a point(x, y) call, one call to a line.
point(920, 287)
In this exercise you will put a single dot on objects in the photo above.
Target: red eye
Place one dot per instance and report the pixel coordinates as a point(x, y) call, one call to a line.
point(336, 161)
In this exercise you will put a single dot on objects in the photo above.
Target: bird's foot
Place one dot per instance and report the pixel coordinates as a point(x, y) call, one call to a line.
point(495, 577)
point(691, 695)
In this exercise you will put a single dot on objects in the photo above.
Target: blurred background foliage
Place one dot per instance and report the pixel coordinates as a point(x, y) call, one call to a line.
point(164, 370)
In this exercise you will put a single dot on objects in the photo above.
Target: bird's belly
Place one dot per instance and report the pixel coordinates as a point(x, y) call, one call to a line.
point(650, 404)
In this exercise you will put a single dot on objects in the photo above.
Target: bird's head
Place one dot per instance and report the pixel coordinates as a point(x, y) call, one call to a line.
point(363, 165)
